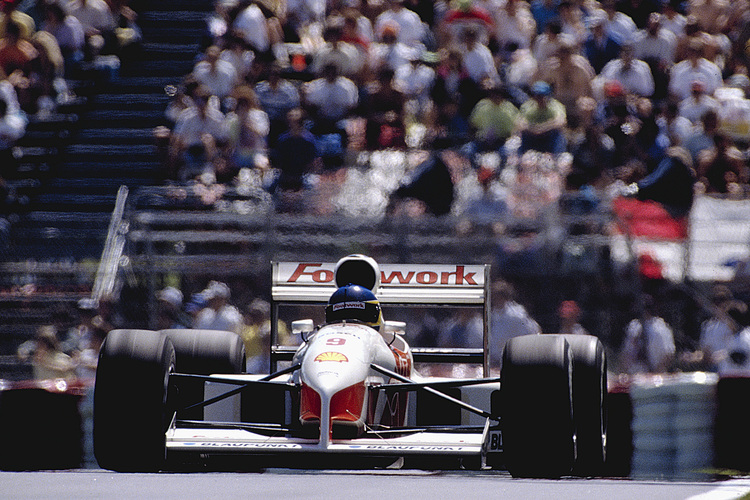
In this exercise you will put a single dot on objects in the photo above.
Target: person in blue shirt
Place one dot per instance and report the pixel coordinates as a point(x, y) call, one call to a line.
point(294, 153)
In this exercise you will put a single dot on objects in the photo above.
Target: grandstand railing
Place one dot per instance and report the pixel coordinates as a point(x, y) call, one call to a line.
point(105, 280)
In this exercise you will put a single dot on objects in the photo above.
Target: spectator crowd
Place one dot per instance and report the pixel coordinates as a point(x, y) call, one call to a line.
point(647, 97)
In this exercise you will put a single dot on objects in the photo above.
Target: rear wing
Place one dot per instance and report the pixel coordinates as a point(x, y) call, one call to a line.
point(400, 284)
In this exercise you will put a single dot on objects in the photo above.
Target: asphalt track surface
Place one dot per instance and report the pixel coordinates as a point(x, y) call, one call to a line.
point(359, 485)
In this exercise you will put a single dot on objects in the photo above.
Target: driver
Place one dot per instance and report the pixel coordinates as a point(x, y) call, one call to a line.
point(354, 302)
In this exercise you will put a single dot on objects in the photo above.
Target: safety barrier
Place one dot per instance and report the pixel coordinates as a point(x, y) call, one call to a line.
point(673, 422)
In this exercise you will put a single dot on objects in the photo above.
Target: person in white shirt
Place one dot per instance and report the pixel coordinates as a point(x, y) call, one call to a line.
point(329, 100)
point(389, 52)
point(655, 42)
point(411, 28)
point(649, 342)
point(220, 314)
point(194, 138)
point(514, 25)
point(675, 127)
point(239, 56)
point(509, 319)
point(737, 362)
point(302, 13)
point(94, 15)
point(694, 68)
point(251, 23)
point(478, 60)
point(97, 21)
point(672, 19)
point(12, 128)
point(619, 25)
point(717, 332)
point(633, 74)
point(548, 43)
point(216, 74)
point(694, 107)
point(333, 96)
point(248, 128)
point(415, 81)
point(335, 51)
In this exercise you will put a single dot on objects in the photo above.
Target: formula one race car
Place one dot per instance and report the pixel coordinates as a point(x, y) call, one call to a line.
point(349, 395)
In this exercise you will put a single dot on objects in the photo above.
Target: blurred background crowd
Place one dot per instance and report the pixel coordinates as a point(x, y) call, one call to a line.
point(645, 97)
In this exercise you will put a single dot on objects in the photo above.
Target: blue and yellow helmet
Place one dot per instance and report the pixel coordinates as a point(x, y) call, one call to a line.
point(354, 303)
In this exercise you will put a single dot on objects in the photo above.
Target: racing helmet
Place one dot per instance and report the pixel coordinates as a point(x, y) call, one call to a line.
point(354, 302)
point(358, 269)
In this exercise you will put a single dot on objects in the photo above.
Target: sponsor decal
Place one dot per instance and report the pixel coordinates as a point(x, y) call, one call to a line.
point(348, 305)
point(410, 447)
point(452, 275)
point(287, 446)
point(495, 442)
point(295, 446)
point(457, 277)
point(317, 275)
point(331, 356)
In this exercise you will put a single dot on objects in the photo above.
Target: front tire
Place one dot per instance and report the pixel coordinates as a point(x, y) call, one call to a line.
point(203, 352)
point(537, 406)
point(131, 408)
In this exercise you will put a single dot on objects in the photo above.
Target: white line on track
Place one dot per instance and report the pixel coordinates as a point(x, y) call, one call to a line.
point(730, 490)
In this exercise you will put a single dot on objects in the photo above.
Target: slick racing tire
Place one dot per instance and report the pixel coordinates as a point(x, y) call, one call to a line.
point(203, 352)
point(589, 403)
point(131, 407)
point(537, 407)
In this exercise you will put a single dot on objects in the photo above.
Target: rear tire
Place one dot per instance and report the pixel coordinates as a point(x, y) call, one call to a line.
point(537, 410)
point(131, 407)
point(589, 403)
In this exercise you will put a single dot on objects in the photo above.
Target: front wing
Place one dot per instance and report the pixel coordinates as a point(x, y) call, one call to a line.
point(238, 441)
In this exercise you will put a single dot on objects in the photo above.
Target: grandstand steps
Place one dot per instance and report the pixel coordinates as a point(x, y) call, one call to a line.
point(176, 34)
point(133, 102)
point(76, 236)
point(59, 122)
point(38, 137)
point(174, 6)
point(99, 186)
point(98, 154)
point(108, 118)
point(154, 20)
point(159, 68)
point(115, 136)
point(34, 157)
point(161, 51)
point(124, 169)
point(143, 84)
point(66, 202)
